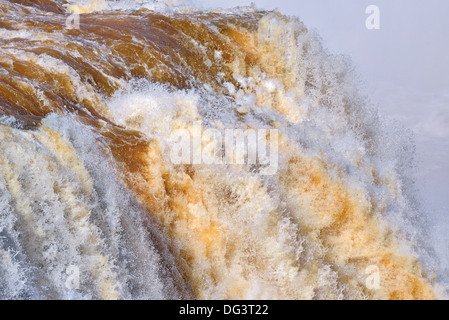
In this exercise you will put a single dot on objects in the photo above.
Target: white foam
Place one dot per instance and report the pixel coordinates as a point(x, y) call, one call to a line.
point(73, 213)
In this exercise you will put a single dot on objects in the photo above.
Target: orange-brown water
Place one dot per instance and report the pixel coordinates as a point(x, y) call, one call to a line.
point(87, 117)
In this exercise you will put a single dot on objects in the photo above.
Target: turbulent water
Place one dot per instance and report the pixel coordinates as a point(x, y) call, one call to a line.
point(93, 207)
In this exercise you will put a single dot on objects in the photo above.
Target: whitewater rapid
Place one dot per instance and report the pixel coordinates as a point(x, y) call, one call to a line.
point(92, 205)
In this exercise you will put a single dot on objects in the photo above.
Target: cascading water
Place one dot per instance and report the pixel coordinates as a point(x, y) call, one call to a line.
point(88, 188)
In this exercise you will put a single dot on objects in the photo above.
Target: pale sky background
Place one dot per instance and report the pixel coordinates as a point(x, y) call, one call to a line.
point(404, 68)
